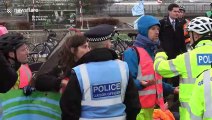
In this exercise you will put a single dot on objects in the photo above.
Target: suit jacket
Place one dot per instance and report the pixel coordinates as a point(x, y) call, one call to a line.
point(172, 41)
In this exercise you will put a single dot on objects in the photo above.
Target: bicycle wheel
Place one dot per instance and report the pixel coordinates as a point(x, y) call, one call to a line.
point(42, 49)
point(30, 46)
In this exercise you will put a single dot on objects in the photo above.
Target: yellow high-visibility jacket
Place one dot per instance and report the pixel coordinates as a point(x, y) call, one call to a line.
point(201, 98)
point(188, 66)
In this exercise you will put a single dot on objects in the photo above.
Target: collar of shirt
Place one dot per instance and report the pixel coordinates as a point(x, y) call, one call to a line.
point(171, 20)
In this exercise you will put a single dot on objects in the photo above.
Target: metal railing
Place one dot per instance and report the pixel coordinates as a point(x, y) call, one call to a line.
point(38, 36)
point(192, 9)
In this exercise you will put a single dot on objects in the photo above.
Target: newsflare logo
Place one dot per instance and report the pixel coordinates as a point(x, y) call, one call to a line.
point(9, 11)
point(18, 10)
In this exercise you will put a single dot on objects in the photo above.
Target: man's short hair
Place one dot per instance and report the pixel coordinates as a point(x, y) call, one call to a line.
point(171, 6)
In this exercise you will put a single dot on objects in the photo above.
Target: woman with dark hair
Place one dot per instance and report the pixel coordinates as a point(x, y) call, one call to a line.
point(72, 50)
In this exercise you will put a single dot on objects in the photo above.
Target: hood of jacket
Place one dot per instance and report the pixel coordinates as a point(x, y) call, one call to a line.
point(146, 43)
point(145, 23)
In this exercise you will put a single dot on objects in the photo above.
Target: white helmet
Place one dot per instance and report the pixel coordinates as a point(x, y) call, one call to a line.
point(200, 25)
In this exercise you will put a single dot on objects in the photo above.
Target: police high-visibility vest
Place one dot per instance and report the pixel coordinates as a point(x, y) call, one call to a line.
point(103, 86)
point(201, 99)
point(188, 65)
point(151, 95)
point(24, 76)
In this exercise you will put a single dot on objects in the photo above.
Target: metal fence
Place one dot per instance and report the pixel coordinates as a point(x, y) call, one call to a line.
point(192, 9)
point(38, 36)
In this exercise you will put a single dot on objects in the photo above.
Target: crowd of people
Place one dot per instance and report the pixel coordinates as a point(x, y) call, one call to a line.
point(95, 84)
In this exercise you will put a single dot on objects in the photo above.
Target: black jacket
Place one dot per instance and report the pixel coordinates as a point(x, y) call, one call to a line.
point(8, 75)
point(172, 41)
point(70, 102)
point(50, 81)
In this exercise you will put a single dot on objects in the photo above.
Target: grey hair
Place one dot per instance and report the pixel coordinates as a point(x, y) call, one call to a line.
point(102, 44)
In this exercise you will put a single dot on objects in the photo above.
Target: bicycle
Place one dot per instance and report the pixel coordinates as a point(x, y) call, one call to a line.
point(52, 59)
point(43, 49)
point(119, 44)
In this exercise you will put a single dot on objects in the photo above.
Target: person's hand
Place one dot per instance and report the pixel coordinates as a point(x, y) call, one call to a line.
point(176, 90)
point(27, 90)
point(148, 83)
point(166, 105)
point(64, 83)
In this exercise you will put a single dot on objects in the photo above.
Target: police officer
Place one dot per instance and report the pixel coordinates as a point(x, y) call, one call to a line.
point(100, 87)
point(201, 98)
point(189, 65)
point(13, 54)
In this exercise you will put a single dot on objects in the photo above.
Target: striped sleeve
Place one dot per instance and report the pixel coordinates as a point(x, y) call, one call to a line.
point(167, 68)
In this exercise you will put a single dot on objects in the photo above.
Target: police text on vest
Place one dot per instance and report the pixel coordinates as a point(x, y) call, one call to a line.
point(106, 90)
point(204, 59)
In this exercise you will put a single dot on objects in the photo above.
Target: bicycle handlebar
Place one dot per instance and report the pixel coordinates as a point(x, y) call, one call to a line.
point(50, 33)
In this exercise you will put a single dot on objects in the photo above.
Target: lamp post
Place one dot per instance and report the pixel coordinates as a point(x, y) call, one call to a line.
point(33, 3)
point(81, 15)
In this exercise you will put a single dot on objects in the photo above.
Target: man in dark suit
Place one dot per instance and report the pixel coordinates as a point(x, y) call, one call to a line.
point(171, 38)
point(171, 33)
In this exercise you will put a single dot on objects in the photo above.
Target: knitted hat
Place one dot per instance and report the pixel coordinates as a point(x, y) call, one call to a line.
point(100, 33)
point(145, 23)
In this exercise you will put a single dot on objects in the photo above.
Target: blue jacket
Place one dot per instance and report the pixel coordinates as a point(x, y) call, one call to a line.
point(130, 56)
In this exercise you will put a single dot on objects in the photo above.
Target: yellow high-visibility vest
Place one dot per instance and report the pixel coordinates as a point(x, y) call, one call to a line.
point(188, 66)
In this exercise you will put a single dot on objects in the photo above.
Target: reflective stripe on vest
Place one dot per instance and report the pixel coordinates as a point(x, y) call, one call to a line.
point(154, 93)
point(173, 68)
point(25, 75)
point(207, 94)
point(189, 79)
point(86, 85)
point(145, 77)
point(186, 105)
point(124, 77)
point(103, 95)
point(114, 118)
point(147, 92)
point(160, 57)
